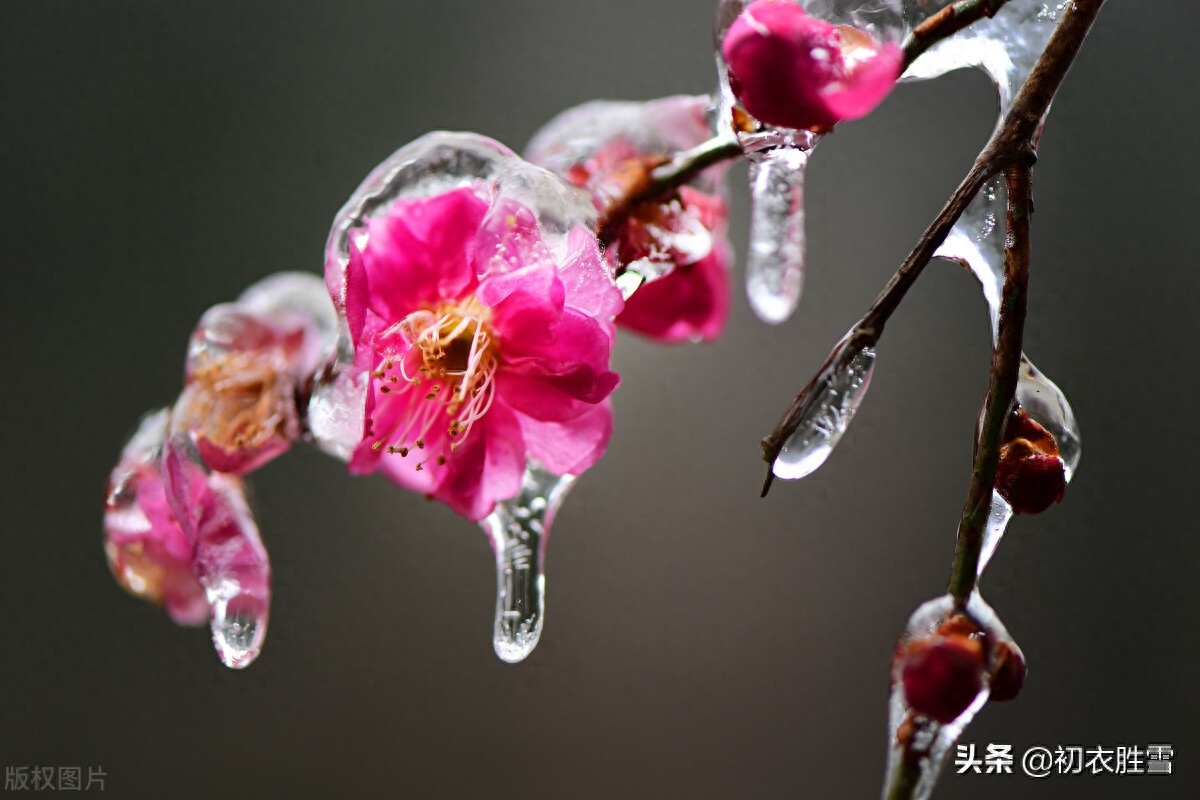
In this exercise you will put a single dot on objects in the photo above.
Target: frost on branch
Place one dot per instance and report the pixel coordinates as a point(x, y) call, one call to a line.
point(790, 71)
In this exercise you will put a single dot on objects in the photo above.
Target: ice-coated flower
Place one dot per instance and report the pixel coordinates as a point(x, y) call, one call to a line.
point(183, 537)
point(793, 70)
point(246, 362)
point(148, 551)
point(678, 242)
point(486, 344)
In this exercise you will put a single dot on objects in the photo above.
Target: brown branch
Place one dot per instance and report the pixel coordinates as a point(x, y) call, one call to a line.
point(1011, 144)
point(1002, 386)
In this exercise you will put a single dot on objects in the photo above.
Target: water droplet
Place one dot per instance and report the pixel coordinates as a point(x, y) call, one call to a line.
point(826, 412)
point(518, 529)
point(775, 260)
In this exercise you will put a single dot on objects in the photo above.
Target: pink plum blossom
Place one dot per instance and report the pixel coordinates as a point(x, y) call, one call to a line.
point(678, 242)
point(795, 71)
point(148, 551)
point(485, 347)
point(685, 232)
point(246, 362)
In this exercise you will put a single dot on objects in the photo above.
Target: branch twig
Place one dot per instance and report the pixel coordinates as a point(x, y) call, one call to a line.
point(1002, 386)
point(1012, 143)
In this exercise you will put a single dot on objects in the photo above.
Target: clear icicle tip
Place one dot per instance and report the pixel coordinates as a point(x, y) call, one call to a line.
point(827, 412)
point(518, 529)
point(239, 624)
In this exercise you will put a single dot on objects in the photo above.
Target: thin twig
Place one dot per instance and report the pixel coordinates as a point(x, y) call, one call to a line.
point(1002, 386)
point(1012, 143)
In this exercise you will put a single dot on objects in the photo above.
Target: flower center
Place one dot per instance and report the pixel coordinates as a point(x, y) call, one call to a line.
point(451, 363)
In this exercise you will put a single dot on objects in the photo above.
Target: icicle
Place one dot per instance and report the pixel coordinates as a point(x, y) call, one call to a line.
point(827, 412)
point(776, 257)
point(919, 740)
point(518, 529)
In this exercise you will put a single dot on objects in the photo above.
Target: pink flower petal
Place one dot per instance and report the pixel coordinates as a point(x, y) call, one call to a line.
point(569, 447)
point(422, 252)
point(690, 303)
point(487, 468)
point(588, 279)
point(788, 68)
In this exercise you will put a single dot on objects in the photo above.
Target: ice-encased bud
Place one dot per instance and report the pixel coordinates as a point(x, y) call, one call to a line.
point(1048, 406)
point(962, 644)
point(778, 153)
point(826, 411)
point(797, 69)
point(518, 529)
point(149, 553)
point(1030, 475)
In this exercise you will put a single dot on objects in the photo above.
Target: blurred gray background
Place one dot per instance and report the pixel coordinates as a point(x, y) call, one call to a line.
point(157, 157)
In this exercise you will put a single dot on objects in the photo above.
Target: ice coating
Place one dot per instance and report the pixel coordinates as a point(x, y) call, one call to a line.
point(999, 515)
point(929, 741)
point(1048, 407)
point(518, 529)
point(826, 413)
point(667, 125)
point(437, 163)
point(1005, 46)
point(776, 260)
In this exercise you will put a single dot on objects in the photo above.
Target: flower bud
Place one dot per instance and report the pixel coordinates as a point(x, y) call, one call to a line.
point(1030, 476)
point(1008, 671)
point(794, 71)
point(942, 675)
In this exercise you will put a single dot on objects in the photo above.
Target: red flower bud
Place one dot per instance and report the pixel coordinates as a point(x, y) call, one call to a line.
point(1008, 671)
point(942, 675)
point(1029, 480)
point(796, 71)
